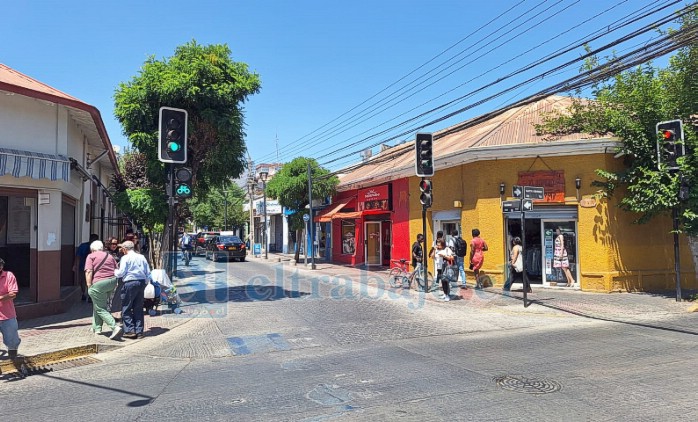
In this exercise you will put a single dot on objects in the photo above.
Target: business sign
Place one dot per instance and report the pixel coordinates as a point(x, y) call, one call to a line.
point(511, 206)
point(257, 248)
point(552, 182)
point(374, 198)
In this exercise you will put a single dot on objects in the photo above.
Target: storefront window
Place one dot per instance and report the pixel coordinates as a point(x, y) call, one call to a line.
point(560, 252)
point(348, 238)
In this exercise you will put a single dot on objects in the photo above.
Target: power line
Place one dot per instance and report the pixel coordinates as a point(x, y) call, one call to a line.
point(645, 29)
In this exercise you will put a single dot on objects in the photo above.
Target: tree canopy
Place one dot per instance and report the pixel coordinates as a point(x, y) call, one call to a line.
point(629, 106)
point(205, 81)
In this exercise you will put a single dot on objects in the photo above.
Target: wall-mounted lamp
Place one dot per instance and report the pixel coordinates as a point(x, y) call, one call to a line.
point(502, 186)
point(578, 183)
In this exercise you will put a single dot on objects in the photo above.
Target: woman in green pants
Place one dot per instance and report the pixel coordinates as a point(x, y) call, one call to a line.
point(101, 282)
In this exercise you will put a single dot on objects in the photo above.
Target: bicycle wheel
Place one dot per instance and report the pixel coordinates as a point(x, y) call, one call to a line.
point(395, 277)
point(419, 277)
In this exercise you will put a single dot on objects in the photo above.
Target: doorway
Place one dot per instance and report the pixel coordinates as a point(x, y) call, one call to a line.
point(373, 244)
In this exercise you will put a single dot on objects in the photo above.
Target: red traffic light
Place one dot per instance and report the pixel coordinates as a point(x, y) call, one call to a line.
point(668, 134)
point(425, 185)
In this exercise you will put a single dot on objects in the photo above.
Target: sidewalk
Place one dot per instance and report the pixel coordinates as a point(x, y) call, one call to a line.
point(72, 329)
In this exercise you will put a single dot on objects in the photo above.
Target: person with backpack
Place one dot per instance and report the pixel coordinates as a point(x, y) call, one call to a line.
point(186, 243)
point(460, 249)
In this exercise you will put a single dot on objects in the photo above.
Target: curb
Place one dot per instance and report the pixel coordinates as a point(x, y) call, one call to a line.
point(49, 358)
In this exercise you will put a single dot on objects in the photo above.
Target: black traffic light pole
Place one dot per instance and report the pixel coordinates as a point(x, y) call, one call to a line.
point(424, 247)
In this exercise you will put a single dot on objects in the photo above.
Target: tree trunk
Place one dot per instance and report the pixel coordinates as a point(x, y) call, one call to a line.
point(296, 257)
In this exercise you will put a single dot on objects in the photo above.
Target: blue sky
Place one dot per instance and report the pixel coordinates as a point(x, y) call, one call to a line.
point(316, 59)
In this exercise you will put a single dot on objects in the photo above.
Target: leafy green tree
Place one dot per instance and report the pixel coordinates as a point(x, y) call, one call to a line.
point(290, 187)
point(629, 106)
point(205, 81)
point(209, 209)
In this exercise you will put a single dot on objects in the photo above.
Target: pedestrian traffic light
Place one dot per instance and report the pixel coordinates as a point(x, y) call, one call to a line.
point(670, 146)
point(424, 162)
point(172, 142)
point(183, 186)
point(425, 196)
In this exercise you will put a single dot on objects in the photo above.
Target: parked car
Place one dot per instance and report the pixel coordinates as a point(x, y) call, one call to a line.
point(201, 239)
point(225, 246)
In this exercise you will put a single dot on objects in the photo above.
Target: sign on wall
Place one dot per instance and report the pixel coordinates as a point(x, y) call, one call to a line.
point(552, 182)
point(374, 198)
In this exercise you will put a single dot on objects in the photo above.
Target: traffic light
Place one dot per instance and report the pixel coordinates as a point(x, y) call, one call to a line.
point(670, 146)
point(424, 162)
point(425, 197)
point(172, 142)
point(182, 185)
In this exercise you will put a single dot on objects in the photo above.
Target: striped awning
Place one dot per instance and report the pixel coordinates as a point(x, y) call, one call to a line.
point(35, 165)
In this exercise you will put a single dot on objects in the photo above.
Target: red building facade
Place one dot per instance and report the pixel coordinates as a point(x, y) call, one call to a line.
point(369, 226)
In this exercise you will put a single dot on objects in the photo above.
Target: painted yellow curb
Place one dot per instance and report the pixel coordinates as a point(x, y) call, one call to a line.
point(693, 308)
point(42, 359)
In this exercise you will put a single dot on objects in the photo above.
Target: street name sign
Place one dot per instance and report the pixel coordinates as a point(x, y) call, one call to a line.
point(534, 192)
point(527, 204)
point(517, 191)
point(511, 206)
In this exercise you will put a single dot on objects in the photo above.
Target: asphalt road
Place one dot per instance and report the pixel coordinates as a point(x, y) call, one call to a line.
point(275, 343)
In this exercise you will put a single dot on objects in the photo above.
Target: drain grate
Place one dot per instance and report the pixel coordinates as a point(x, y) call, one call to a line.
point(521, 384)
point(26, 369)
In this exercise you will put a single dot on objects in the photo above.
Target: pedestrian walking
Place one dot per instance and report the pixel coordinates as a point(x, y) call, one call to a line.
point(135, 271)
point(432, 251)
point(477, 258)
point(114, 301)
point(101, 283)
point(8, 316)
point(515, 264)
point(443, 257)
point(560, 258)
point(460, 249)
point(79, 264)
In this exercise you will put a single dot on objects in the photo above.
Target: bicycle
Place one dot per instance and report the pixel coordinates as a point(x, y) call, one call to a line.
point(399, 276)
point(186, 253)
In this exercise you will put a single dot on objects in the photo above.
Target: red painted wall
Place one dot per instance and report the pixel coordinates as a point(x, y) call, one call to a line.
point(401, 243)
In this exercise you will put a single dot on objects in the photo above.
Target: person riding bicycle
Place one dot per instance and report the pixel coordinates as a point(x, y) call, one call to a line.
point(187, 244)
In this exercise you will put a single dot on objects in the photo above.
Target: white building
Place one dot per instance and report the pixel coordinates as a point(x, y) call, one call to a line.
point(56, 161)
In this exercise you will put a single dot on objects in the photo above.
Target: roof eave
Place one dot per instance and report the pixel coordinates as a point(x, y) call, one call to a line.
point(497, 152)
point(79, 105)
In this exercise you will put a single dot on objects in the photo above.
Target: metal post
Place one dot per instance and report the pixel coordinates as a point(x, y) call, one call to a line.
point(310, 222)
point(677, 259)
point(169, 265)
point(524, 277)
point(264, 234)
point(225, 215)
point(424, 249)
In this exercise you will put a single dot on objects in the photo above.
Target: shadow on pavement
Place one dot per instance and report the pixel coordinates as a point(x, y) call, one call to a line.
point(241, 294)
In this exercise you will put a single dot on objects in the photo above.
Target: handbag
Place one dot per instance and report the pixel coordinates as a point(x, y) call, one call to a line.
point(451, 273)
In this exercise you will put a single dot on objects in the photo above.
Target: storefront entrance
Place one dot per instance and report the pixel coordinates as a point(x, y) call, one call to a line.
point(373, 244)
point(542, 260)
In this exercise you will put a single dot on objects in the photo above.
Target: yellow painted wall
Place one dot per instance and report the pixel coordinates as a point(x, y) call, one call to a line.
point(614, 253)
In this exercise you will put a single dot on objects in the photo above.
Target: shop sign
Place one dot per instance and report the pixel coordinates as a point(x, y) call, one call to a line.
point(374, 198)
point(511, 206)
point(588, 202)
point(552, 181)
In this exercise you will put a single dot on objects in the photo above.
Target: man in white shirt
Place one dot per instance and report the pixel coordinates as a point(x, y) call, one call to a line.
point(135, 272)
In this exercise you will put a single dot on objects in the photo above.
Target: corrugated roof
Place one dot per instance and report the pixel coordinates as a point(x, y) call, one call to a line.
point(510, 127)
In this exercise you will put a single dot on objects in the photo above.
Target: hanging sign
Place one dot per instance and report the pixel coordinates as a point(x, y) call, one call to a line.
point(552, 181)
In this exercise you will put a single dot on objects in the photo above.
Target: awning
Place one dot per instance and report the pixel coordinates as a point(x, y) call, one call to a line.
point(325, 216)
point(35, 165)
point(358, 214)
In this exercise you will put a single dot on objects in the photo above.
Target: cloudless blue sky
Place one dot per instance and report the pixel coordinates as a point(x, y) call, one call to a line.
point(316, 59)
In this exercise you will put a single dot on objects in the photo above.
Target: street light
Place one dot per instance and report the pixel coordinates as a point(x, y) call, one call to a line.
point(263, 174)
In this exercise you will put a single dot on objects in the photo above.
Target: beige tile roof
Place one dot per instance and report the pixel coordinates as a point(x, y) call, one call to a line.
point(514, 126)
point(11, 77)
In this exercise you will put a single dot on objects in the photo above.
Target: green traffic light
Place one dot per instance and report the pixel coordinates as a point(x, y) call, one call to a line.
point(173, 146)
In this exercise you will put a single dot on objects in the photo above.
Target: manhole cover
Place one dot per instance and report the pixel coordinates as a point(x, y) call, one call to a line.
point(521, 384)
